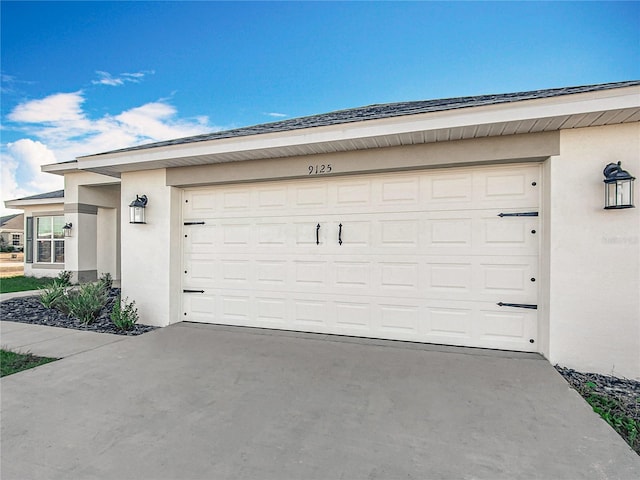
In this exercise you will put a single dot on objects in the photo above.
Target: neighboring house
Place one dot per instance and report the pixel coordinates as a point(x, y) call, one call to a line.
point(12, 232)
point(474, 221)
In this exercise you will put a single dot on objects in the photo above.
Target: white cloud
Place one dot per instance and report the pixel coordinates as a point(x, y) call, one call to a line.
point(61, 107)
point(58, 129)
point(105, 78)
point(276, 114)
point(23, 159)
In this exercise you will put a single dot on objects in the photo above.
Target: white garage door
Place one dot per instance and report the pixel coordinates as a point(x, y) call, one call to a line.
point(422, 256)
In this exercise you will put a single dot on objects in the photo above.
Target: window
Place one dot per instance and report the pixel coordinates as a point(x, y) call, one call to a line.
point(50, 240)
point(15, 239)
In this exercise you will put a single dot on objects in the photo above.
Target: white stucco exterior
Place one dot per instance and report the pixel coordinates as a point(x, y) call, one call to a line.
point(588, 276)
point(151, 252)
point(593, 255)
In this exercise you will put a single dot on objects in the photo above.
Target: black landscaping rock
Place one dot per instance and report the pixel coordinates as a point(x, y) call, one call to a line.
point(625, 391)
point(30, 310)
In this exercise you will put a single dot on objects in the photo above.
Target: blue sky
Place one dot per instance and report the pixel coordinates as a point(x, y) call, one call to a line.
point(84, 77)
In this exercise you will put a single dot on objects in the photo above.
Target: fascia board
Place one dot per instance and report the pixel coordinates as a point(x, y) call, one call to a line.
point(602, 101)
point(60, 168)
point(27, 203)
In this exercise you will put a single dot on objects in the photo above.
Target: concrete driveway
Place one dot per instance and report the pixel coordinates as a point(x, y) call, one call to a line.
point(207, 402)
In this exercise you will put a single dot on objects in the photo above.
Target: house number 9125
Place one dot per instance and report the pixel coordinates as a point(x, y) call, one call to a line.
point(319, 169)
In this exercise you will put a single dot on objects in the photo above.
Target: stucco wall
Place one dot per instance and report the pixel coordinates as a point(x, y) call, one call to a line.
point(92, 205)
point(151, 252)
point(593, 255)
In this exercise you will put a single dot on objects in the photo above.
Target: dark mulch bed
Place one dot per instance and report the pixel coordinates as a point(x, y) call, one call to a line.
point(622, 396)
point(30, 310)
point(627, 392)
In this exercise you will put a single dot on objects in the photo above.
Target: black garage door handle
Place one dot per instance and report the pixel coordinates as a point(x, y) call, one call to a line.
point(186, 290)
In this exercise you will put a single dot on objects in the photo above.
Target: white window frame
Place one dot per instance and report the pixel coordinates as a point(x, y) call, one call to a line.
point(15, 239)
point(54, 239)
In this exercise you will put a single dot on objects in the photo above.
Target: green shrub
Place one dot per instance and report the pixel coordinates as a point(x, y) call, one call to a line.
point(86, 302)
point(106, 281)
point(124, 315)
point(53, 295)
point(64, 277)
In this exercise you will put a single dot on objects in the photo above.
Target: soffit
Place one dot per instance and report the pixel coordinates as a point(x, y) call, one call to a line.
point(572, 111)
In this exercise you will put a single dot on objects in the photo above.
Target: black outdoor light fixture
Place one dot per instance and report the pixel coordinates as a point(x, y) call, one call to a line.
point(67, 229)
point(136, 209)
point(618, 187)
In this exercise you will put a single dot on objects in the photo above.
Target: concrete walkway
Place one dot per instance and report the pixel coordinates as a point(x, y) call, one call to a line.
point(28, 293)
point(201, 401)
point(51, 341)
point(48, 341)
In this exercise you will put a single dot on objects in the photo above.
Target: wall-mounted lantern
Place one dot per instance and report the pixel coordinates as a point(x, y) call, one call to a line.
point(136, 209)
point(66, 229)
point(618, 187)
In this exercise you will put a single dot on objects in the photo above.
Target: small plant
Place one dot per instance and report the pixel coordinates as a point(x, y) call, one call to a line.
point(64, 277)
point(124, 315)
point(86, 302)
point(614, 412)
point(53, 295)
point(106, 281)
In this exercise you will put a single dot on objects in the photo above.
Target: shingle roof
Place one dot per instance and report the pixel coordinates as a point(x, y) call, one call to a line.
point(378, 111)
point(7, 218)
point(40, 196)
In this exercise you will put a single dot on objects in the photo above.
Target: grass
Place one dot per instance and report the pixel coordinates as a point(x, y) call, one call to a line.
point(13, 362)
point(616, 414)
point(22, 283)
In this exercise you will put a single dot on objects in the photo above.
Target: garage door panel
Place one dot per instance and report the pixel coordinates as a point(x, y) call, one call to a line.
point(236, 234)
point(236, 199)
point(444, 190)
point(236, 272)
point(273, 198)
point(424, 256)
point(447, 322)
point(395, 277)
point(399, 192)
point(199, 203)
point(311, 273)
point(508, 326)
point(354, 234)
point(352, 194)
point(309, 314)
point(509, 232)
point(271, 311)
point(199, 239)
point(506, 187)
point(451, 278)
point(199, 307)
point(400, 320)
point(311, 196)
point(449, 232)
point(235, 308)
point(272, 234)
point(399, 233)
point(353, 318)
point(352, 275)
point(271, 274)
point(201, 271)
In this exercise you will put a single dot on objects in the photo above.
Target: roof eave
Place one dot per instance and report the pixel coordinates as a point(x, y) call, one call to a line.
point(60, 168)
point(18, 203)
point(367, 133)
